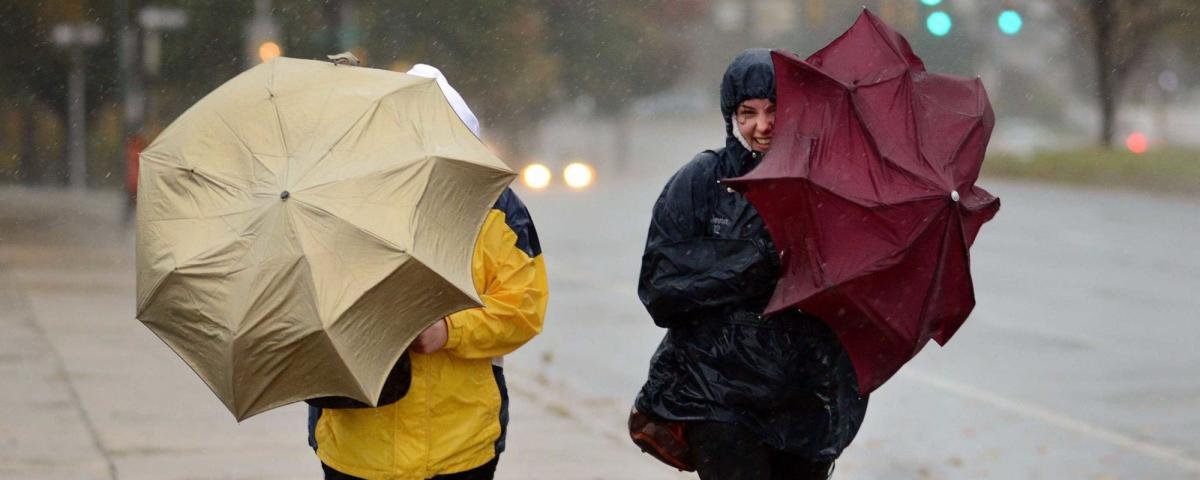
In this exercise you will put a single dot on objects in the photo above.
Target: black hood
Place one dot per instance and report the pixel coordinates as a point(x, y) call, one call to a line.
point(751, 74)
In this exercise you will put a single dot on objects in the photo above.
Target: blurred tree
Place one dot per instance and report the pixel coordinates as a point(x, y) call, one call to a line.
point(1122, 33)
point(494, 53)
point(616, 51)
point(514, 61)
point(34, 75)
point(199, 57)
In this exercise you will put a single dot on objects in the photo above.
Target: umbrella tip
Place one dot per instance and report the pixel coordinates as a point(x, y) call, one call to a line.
point(344, 58)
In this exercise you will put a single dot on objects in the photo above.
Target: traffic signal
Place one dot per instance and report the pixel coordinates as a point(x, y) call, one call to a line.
point(1010, 22)
point(931, 3)
point(939, 23)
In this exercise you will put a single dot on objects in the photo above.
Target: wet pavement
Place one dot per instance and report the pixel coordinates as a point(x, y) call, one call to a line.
point(1077, 363)
point(92, 394)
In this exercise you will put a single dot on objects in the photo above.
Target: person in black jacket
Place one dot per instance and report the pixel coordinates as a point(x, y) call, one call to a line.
point(757, 396)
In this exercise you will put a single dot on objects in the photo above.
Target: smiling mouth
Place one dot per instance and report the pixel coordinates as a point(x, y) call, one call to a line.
point(766, 142)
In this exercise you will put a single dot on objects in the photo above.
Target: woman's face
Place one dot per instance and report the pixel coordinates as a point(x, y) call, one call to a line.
point(756, 122)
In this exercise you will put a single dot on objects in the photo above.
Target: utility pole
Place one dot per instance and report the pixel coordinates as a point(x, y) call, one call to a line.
point(262, 35)
point(75, 37)
point(131, 117)
point(154, 21)
point(341, 20)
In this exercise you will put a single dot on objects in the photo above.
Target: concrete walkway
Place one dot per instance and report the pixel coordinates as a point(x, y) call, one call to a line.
point(89, 393)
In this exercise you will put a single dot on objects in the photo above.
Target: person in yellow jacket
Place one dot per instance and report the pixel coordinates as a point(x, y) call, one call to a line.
point(451, 423)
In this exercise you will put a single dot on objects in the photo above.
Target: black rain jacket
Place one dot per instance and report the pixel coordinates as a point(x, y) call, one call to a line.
point(708, 270)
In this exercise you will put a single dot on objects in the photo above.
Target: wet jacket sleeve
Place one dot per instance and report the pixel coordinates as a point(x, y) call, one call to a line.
point(511, 279)
point(685, 271)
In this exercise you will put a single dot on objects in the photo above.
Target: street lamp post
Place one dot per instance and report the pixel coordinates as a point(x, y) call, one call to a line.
point(155, 20)
point(75, 37)
point(262, 35)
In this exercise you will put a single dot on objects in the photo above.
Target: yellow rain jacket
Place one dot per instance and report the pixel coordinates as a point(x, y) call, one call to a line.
point(454, 416)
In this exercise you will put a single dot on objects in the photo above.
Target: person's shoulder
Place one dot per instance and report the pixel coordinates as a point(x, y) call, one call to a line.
point(509, 202)
point(701, 169)
point(517, 219)
point(703, 163)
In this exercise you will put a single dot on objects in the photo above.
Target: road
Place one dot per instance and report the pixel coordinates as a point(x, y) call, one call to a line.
point(1077, 363)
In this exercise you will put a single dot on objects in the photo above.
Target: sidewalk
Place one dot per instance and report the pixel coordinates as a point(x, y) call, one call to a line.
point(92, 394)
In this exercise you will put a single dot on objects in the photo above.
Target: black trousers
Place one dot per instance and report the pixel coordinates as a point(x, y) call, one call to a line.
point(482, 472)
point(725, 451)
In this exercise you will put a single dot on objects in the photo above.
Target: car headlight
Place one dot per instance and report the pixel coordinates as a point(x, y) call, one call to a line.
point(536, 176)
point(579, 175)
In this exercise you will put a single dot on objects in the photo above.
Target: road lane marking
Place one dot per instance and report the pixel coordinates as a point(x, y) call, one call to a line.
point(1154, 450)
point(1167, 454)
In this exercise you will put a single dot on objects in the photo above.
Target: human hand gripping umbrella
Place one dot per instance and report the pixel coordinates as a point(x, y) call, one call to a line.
point(300, 225)
point(869, 193)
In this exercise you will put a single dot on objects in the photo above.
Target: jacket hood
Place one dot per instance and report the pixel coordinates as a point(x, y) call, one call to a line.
point(456, 101)
point(751, 74)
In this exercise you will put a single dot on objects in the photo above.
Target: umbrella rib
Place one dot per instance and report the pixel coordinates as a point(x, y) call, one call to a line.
point(232, 351)
point(371, 110)
point(858, 116)
point(154, 291)
point(220, 216)
point(357, 227)
point(367, 114)
point(337, 253)
point(892, 328)
point(900, 252)
point(963, 143)
point(957, 149)
point(185, 262)
point(920, 151)
point(278, 123)
point(898, 74)
point(282, 139)
point(243, 143)
point(214, 179)
point(858, 201)
point(895, 50)
point(937, 274)
point(320, 116)
point(913, 118)
point(385, 170)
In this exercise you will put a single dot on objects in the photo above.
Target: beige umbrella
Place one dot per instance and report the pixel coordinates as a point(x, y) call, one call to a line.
point(301, 224)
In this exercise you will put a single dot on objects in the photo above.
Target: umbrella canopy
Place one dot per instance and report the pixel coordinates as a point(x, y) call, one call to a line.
point(869, 193)
point(300, 225)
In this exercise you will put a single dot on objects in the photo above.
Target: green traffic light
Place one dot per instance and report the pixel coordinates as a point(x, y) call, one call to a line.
point(938, 23)
point(931, 3)
point(1010, 22)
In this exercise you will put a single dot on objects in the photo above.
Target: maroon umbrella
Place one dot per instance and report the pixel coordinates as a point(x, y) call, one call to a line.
point(869, 193)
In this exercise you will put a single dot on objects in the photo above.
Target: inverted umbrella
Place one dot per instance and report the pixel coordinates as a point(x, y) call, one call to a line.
point(300, 225)
point(869, 193)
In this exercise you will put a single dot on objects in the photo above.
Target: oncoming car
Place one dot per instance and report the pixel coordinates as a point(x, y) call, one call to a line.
point(576, 175)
